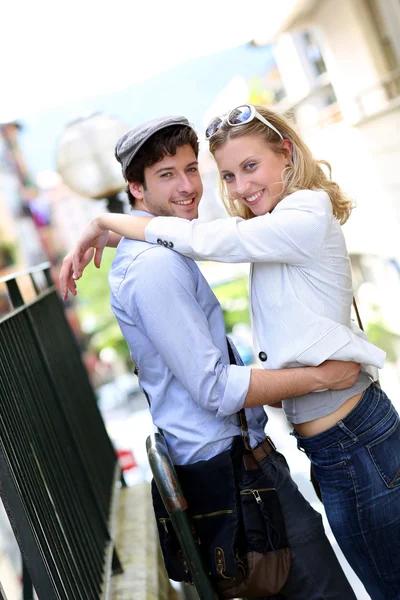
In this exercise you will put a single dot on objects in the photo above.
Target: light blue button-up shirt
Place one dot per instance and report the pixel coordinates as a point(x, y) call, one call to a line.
point(175, 331)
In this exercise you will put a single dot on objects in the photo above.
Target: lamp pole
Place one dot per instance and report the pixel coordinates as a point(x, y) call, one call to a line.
point(85, 158)
point(114, 204)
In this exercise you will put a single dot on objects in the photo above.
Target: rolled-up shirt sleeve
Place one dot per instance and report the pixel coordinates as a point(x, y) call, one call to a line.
point(236, 382)
point(293, 233)
point(159, 294)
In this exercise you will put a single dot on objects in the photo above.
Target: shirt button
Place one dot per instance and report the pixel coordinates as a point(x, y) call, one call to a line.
point(165, 243)
point(170, 244)
point(159, 241)
point(262, 356)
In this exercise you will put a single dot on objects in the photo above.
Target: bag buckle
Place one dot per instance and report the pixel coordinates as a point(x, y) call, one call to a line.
point(220, 562)
point(270, 442)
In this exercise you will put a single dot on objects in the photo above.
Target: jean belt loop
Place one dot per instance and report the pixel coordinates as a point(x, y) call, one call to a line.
point(295, 435)
point(347, 431)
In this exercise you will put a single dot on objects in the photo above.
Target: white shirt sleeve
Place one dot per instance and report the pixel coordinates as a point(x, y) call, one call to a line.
point(293, 233)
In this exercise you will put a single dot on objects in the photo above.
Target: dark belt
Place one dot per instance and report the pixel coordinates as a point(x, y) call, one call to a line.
point(263, 449)
point(258, 453)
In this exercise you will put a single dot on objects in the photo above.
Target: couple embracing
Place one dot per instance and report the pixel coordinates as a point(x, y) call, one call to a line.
point(285, 220)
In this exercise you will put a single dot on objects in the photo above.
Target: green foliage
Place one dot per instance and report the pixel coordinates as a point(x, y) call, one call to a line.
point(234, 299)
point(98, 319)
point(93, 289)
point(259, 92)
point(8, 254)
point(379, 335)
point(94, 308)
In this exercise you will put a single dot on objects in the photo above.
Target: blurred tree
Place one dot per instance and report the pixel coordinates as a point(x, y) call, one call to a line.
point(266, 89)
point(96, 316)
point(384, 338)
point(234, 299)
point(8, 254)
point(259, 93)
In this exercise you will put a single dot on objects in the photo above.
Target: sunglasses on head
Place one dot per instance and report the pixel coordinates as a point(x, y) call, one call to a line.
point(238, 116)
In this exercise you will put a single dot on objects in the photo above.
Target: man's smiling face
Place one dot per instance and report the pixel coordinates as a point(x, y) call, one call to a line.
point(172, 187)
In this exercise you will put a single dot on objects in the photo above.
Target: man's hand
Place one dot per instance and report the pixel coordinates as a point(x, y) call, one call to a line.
point(66, 279)
point(271, 386)
point(91, 237)
point(337, 375)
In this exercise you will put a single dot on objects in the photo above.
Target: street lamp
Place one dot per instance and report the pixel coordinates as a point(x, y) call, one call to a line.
point(85, 158)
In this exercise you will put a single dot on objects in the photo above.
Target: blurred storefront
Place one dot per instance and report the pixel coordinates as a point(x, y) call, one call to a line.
point(20, 241)
point(17, 195)
point(339, 62)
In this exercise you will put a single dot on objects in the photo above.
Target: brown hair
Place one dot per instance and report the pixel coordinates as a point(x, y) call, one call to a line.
point(302, 173)
point(163, 143)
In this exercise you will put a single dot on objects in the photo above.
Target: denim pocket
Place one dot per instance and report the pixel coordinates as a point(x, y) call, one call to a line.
point(385, 454)
point(329, 459)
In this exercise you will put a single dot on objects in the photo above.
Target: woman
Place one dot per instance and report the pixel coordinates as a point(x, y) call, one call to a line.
point(300, 296)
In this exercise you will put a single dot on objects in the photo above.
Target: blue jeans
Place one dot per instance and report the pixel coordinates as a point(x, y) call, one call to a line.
point(357, 465)
point(315, 572)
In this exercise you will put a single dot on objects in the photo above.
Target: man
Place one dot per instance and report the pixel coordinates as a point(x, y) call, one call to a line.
point(174, 328)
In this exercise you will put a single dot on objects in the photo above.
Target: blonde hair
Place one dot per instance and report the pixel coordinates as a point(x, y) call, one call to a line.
point(302, 173)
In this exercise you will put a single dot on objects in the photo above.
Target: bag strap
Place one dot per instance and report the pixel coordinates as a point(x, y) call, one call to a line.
point(357, 314)
point(244, 428)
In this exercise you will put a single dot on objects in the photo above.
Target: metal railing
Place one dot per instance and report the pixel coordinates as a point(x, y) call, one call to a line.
point(57, 464)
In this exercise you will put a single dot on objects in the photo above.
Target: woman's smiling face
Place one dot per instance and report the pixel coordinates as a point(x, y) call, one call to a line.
point(252, 171)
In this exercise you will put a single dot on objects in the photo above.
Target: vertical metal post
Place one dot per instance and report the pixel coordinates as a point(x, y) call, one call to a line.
point(27, 587)
point(15, 293)
point(49, 279)
point(21, 526)
point(2, 593)
point(116, 565)
point(122, 480)
point(35, 285)
point(114, 204)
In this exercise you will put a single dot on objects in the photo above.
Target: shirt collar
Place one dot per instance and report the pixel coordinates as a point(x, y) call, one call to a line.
point(140, 213)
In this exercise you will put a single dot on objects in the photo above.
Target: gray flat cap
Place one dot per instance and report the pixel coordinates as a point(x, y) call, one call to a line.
point(128, 145)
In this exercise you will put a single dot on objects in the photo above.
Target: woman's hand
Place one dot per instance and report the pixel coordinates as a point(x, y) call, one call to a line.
point(93, 236)
point(66, 280)
point(104, 230)
point(91, 243)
